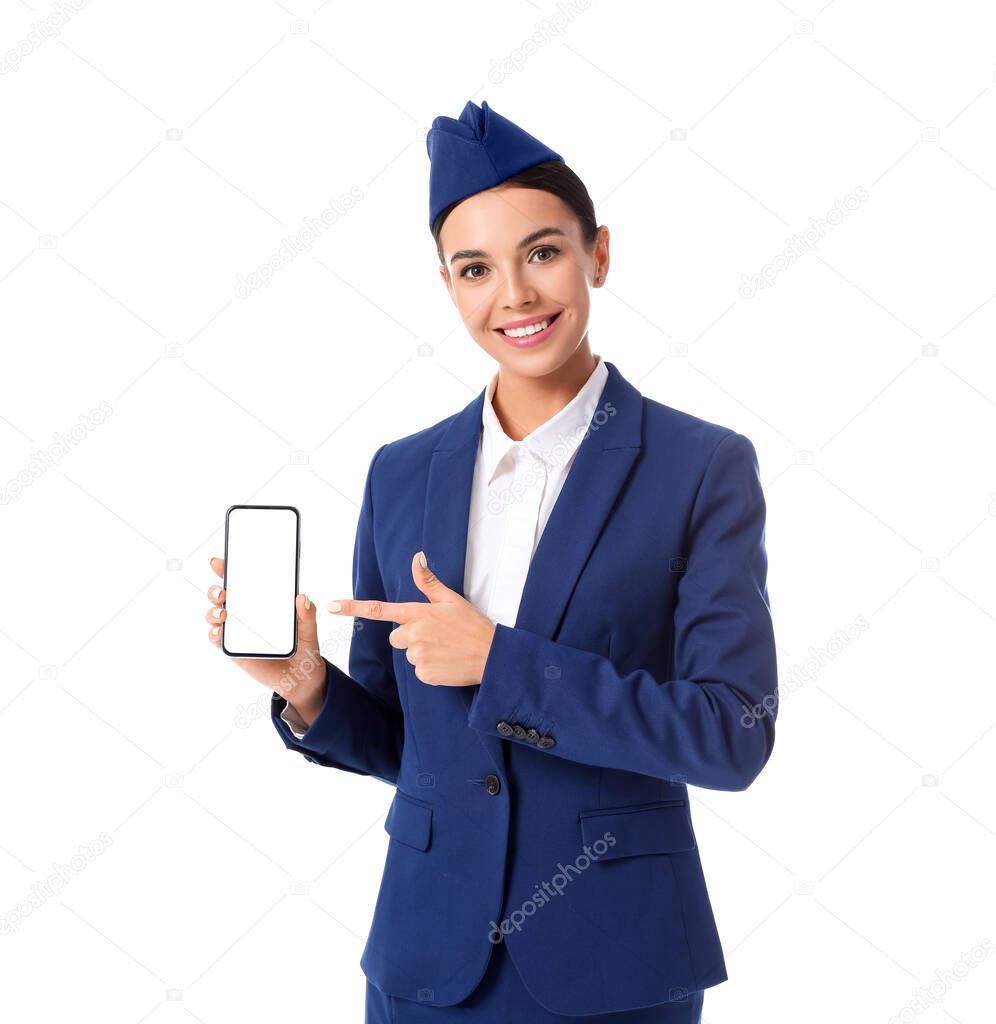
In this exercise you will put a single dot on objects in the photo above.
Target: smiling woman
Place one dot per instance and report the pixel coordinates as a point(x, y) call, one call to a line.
point(560, 594)
point(497, 263)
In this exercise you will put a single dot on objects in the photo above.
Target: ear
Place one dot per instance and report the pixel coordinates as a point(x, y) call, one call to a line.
point(445, 275)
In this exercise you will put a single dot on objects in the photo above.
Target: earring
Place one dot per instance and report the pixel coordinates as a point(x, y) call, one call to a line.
point(598, 280)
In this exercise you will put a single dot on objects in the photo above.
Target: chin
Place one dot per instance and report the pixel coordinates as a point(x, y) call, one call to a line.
point(531, 363)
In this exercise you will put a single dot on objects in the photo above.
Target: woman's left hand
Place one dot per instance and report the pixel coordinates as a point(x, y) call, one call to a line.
point(446, 639)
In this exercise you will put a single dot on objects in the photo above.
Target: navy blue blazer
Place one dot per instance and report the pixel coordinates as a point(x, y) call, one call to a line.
point(642, 661)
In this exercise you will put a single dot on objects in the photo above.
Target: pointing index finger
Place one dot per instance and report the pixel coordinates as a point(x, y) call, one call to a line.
point(385, 611)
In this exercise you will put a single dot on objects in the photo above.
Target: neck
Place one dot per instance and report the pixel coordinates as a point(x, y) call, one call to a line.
point(524, 403)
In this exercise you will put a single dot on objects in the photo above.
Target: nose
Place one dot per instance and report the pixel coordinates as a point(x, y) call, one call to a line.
point(516, 291)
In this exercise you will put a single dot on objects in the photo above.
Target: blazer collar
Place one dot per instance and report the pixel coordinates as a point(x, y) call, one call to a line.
point(604, 459)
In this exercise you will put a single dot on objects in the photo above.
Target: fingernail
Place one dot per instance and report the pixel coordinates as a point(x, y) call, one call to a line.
point(307, 604)
point(422, 561)
point(335, 606)
point(217, 613)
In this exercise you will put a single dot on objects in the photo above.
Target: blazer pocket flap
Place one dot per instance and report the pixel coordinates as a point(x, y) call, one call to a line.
point(661, 827)
point(409, 821)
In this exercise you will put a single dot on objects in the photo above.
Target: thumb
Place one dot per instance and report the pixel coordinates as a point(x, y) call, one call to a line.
point(307, 625)
point(428, 582)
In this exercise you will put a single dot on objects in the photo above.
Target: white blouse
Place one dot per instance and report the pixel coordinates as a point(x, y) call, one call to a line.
point(516, 484)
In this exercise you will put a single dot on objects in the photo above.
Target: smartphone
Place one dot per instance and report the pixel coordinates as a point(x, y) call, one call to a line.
point(262, 564)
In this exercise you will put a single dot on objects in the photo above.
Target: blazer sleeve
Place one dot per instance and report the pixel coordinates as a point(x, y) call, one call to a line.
point(713, 724)
point(360, 727)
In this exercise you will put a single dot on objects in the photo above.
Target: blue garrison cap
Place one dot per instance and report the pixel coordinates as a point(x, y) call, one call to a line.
point(476, 152)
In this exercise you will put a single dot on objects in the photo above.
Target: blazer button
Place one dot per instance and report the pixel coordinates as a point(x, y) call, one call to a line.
point(532, 736)
point(519, 730)
point(545, 741)
point(492, 784)
point(504, 728)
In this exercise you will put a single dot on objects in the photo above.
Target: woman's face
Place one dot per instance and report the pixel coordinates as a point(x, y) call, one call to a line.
point(513, 259)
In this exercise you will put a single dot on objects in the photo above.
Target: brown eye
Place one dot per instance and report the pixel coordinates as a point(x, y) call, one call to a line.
point(466, 272)
point(549, 250)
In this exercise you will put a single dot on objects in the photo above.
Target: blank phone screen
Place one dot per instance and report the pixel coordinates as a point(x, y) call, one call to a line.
point(261, 551)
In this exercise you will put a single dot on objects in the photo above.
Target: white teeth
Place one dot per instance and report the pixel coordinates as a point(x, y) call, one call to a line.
point(524, 332)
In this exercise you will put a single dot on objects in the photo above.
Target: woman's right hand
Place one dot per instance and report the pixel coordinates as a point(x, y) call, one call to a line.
point(300, 679)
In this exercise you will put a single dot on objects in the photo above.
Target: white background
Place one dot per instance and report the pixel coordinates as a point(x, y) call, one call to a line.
point(234, 874)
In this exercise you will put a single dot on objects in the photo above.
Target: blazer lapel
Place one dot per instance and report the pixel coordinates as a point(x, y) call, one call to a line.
point(603, 463)
point(447, 496)
point(601, 466)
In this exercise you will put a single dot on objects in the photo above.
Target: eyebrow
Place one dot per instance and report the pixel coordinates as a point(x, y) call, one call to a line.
point(476, 254)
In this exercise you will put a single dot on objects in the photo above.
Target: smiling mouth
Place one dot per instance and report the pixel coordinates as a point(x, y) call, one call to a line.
point(529, 329)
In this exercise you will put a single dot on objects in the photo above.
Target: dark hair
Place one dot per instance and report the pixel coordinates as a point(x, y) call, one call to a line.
point(552, 176)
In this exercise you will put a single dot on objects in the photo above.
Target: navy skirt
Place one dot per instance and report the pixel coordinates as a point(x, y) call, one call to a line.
point(501, 997)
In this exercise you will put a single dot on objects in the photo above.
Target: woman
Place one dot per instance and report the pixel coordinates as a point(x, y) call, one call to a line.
point(561, 621)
